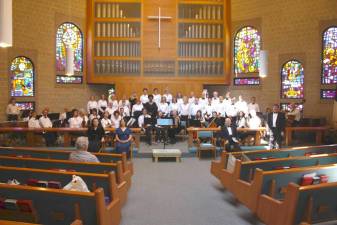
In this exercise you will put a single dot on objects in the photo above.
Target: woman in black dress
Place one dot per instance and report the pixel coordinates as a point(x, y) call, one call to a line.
point(95, 136)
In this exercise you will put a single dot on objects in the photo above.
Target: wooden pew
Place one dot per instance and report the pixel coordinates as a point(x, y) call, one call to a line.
point(64, 155)
point(319, 131)
point(100, 168)
point(245, 170)
point(274, 183)
point(217, 166)
point(105, 181)
point(58, 207)
point(65, 131)
point(192, 130)
point(301, 205)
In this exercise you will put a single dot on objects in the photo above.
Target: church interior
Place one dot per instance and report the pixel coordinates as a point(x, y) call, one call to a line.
point(168, 112)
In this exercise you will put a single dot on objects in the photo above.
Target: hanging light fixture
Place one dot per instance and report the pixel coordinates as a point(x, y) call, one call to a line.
point(6, 23)
point(69, 61)
point(263, 70)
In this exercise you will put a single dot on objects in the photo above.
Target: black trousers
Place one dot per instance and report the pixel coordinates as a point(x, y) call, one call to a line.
point(50, 138)
point(12, 117)
point(275, 139)
point(232, 146)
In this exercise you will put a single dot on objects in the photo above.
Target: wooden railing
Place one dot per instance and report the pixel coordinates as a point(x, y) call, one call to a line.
point(66, 132)
point(193, 130)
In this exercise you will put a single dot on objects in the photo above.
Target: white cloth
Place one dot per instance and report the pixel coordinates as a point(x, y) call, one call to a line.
point(144, 99)
point(63, 116)
point(180, 101)
point(136, 108)
point(254, 122)
point(91, 117)
point(220, 108)
point(191, 100)
point(102, 103)
point(45, 122)
point(241, 122)
point(296, 113)
point(75, 122)
point(157, 98)
point(184, 110)
point(194, 109)
point(215, 100)
point(174, 107)
point(116, 121)
point(33, 123)
point(252, 106)
point(141, 119)
point(92, 105)
point(274, 119)
point(12, 110)
point(106, 123)
point(164, 108)
point(231, 110)
point(229, 129)
point(208, 109)
point(168, 97)
point(115, 105)
point(122, 103)
point(241, 106)
point(126, 111)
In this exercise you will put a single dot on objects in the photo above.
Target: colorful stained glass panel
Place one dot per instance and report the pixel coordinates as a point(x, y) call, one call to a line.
point(69, 34)
point(329, 68)
point(22, 77)
point(292, 80)
point(247, 50)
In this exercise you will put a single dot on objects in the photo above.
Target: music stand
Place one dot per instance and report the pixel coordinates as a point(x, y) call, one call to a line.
point(165, 124)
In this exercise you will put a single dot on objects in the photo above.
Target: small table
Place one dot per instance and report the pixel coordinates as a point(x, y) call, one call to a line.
point(166, 153)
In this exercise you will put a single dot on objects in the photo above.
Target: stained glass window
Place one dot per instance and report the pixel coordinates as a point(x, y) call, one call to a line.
point(22, 77)
point(292, 80)
point(329, 68)
point(246, 50)
point(69, 34)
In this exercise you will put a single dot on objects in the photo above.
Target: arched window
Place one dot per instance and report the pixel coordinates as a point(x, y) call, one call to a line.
point(68, 34)
point(22, 77)
point(292, 76)
point(329, 56)
point(247, 47)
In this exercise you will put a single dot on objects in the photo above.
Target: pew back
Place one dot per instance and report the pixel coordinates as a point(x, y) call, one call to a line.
point(247, 169)
point(58, 207)
point(58, 164)
point(105, 181)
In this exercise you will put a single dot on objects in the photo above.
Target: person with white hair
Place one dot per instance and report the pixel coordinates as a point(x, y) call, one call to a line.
point(81, 153)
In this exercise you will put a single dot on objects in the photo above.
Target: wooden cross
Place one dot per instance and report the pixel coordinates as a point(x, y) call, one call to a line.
point(159, 18)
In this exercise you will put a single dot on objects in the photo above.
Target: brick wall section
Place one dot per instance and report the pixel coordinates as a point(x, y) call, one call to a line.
point(288, 27)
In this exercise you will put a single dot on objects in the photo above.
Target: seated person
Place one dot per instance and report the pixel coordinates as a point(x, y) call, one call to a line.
point(106, 122)
point(123, 138)
point(94, 115)
point(81, 154)
point(95, 135)
point(175, 128)
point(116, 119)
point(254, 121)
point(137, 109)
point(45, 122)
point(84, 117)
point(228, 132)
point(145, 122)
point(241, 121)
point(294, 114)
point(33, 122)
point(76, 120)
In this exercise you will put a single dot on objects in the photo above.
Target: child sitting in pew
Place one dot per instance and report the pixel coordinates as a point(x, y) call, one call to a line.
point(82, 154)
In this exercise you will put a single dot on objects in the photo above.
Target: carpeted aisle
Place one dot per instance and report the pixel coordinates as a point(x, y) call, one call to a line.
point(170, 193)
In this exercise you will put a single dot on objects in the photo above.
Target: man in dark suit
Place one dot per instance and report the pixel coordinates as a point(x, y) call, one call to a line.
point(229, 133)
point(276, 123)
